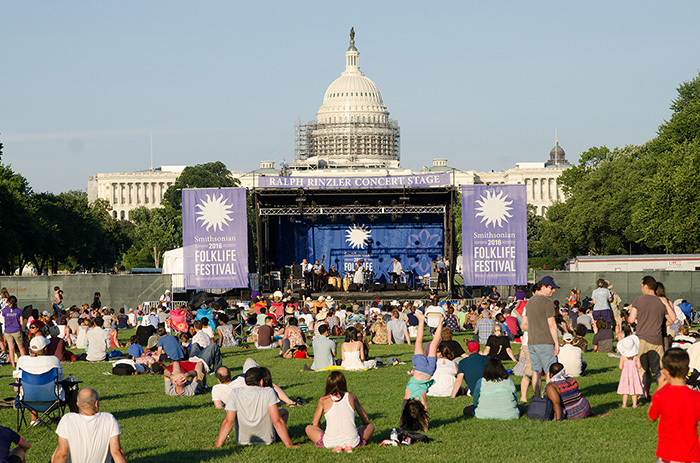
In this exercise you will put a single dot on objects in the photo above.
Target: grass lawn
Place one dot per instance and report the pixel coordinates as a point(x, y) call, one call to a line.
point(157, 428)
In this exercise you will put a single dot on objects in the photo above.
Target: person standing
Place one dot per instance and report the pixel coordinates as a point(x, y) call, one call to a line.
point(90, 436)
point(602, 298)
point(543, 337)
point(14, 321)
point(165, 300)
point(650, 314)
point(396, 271)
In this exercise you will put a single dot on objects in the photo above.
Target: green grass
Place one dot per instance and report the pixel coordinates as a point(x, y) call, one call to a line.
point(157, 428)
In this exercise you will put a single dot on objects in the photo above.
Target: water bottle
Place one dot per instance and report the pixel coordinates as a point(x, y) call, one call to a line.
point(394, 435)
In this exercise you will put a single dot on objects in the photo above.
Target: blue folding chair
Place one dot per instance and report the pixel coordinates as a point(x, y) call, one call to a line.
point(40, 394)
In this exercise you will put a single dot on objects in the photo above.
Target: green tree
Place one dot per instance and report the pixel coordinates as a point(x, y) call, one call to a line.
point(157, 229)
point(14, 194)
point(209, 175)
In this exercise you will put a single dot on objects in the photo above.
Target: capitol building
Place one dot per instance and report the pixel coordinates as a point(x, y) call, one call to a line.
point(352, 136)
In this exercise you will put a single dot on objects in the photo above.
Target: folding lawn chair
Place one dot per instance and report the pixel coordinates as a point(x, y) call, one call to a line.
point(40, 394)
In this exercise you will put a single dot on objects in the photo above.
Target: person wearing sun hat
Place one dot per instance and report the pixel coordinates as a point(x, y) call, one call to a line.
point(543, 336)
point(471, 368)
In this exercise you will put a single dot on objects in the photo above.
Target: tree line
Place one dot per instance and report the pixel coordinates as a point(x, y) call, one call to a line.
point(639, 199)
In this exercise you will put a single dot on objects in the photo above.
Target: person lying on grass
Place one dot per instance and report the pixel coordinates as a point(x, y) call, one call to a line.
point(253, 410)
point(414, 414)
point(176, 378)
point(338, 407)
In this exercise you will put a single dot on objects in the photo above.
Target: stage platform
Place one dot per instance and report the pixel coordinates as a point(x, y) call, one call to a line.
point(384, 296)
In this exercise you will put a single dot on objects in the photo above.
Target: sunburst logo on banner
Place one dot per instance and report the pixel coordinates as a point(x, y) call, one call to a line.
point(494, 209)
point(357, 236)
point(214, 212)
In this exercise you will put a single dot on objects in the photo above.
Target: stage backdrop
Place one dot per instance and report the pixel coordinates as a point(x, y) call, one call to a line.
point(377, 244)
point(215, 238)
point(494, 234)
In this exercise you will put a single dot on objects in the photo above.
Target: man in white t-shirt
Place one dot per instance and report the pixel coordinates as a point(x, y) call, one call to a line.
point(434, 308)
point(200, 336)
point(97, 342)
point(164, 301)
point(88, 436)
point(571, 357)
point(253, 410)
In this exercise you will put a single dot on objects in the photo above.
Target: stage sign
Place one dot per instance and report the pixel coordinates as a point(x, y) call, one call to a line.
point(494, 234)
point(215, 238)
point(325, 183)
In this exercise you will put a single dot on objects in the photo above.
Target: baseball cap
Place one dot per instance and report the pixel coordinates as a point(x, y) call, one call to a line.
point(37, 343)
point(548, 281)
point(567, 337)
point(472, 347)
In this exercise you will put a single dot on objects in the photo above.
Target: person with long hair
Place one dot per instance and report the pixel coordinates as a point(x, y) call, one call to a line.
point(352, 351)
point(414, 414)
point(338, 406)
point(494, 396)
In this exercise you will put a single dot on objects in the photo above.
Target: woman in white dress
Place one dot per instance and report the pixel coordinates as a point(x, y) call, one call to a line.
point(352, 352)
point(359, 278)
point(445, 374)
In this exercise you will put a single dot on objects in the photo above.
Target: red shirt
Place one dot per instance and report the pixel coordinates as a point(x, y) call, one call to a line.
point(678, 410)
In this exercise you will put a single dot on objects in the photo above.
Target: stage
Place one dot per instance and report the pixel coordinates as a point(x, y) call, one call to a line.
point(344, 228)
point(342, 297)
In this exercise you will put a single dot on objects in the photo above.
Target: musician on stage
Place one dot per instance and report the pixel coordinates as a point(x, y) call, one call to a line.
point(334, 277)
point(396, 271)
point(359, 278)
point(307, 270)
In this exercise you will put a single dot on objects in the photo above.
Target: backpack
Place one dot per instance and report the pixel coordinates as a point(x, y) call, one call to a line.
point(408, 437)
point(540, 409)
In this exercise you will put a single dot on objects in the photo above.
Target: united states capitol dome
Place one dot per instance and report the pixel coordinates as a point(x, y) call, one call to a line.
point(352, 97)
point(352, 126)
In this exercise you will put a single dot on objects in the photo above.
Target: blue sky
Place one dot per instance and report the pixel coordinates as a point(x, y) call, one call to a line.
point(484, 84)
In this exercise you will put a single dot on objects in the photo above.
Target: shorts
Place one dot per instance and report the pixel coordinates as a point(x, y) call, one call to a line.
point(14, 338)
point(605, 314)
point(321, 445)
point(528, 363)
point(541, 357)
point(423, 364)
point(650, 357)
point(185, 366)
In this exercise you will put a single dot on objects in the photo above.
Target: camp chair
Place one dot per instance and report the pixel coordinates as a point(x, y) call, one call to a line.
point(178, 320)
point(40, 394)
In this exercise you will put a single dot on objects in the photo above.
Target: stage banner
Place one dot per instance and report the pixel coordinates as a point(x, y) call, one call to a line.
point(323, 183)
point(215, 238)
point(494, 234)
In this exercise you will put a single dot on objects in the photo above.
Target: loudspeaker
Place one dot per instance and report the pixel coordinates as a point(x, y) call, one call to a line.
point(378, 286)
point(353, 287)
point(391, 286)
point(401, 287)
point(266, 282)
point(327, 288)
point(296, 272)
point(433, 282)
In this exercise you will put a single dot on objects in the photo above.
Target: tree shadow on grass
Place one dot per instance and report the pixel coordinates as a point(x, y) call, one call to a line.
point(186, 456)
point(155, 411)
point(595, 371)
point(599, 389)
point(121, 396)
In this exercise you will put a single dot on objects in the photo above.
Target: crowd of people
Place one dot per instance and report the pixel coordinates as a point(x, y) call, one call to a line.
point(184, 345)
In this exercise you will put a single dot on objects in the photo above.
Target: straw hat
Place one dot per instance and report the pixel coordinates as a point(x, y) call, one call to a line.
point(629, 346)
point(321, 315)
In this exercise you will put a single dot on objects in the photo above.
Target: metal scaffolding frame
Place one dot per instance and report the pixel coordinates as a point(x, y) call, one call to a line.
point(347, 210)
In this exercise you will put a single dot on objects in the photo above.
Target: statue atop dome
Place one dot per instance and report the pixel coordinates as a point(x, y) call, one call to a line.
point(352, 34)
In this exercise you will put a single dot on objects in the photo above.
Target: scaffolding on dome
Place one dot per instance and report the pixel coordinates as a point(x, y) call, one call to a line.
point(348, 143)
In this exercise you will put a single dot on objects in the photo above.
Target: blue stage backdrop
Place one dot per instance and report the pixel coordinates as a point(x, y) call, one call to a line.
point(416, 245)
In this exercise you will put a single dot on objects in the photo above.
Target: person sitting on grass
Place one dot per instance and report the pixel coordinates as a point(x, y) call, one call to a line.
point(494, 396)
point(7, 438)
point(175, 378)
point(168, 347)
point(580, 338)
point(677, 407)
point(338, 406)
point(603, 338)
point(414, 414)
point(324, 349)
point(567, 401)
point(253, 410)
point(97, 342)
point(135, 349)
point(470, 368)
point(445, 374)
point(498, 345)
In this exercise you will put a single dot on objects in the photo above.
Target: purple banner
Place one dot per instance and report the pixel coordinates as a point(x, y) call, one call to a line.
point(494, 235)
point(325, 183)
point(215, 238)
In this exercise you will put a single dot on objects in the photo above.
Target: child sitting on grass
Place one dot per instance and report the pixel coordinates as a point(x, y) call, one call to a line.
point(677, 407)
point(414, 414)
